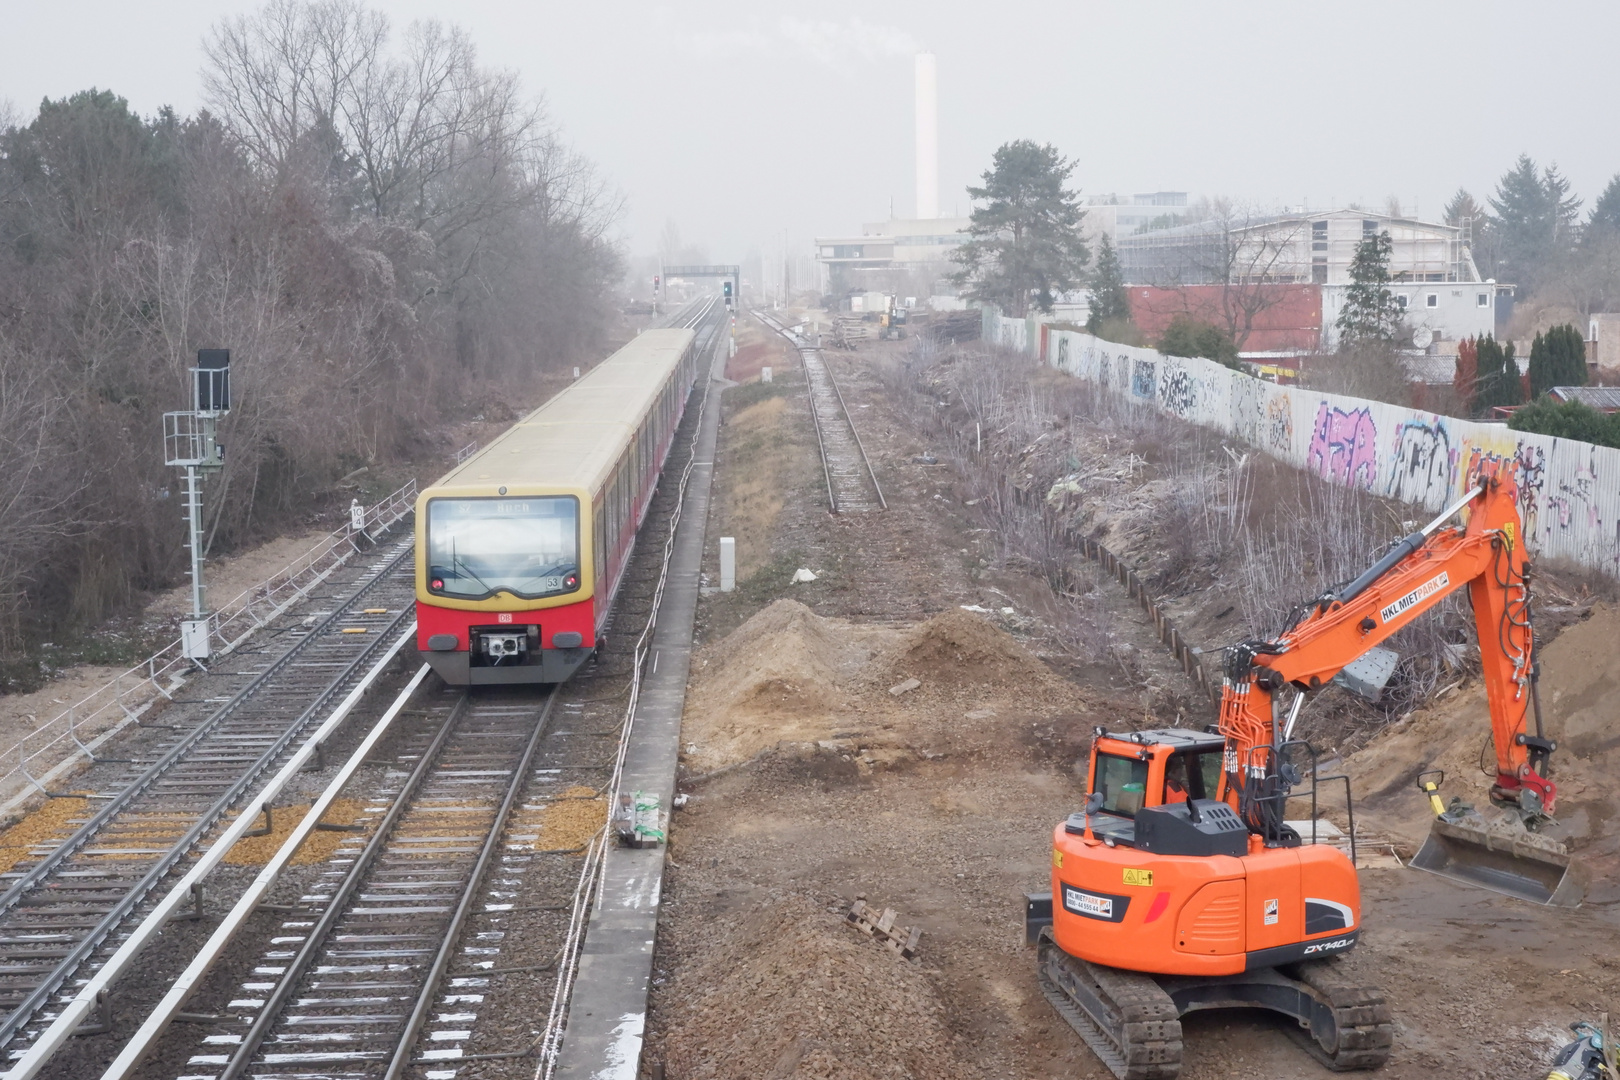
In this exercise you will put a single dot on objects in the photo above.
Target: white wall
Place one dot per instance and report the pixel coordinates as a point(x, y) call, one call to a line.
point(1569, 492)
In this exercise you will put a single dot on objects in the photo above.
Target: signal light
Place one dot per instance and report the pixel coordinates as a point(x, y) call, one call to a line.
point(728, 289)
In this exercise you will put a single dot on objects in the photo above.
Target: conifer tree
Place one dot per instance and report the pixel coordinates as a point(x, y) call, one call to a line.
point(1109, 299)
point(1025, 244)
point(1370, 313)
point(1498, 381)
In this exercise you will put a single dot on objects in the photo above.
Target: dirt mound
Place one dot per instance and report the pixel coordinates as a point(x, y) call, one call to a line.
point(958, 648)
point(780, 676)
point(794, 992)
point(1580, 699)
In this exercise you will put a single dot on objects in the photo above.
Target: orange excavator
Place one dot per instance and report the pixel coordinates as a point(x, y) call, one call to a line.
point(1182, 885)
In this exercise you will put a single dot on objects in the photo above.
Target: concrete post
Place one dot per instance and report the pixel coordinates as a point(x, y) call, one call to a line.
point(765, 374)
point(728, 563)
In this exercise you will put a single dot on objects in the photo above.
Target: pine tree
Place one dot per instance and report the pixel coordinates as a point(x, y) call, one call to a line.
point(1370, 313)
point(1566, 353)
point(1541, 377)
point(1461, 208)
point(1534, 220)
point(1605, 220)
point(1025, 237)
point(1109, 298)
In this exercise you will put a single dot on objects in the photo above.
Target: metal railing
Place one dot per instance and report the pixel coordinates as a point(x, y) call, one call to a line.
point(57, 746)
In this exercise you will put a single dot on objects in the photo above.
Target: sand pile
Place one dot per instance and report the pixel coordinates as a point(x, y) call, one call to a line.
point(958, 649)
point(796, 993)
point(1580, 700)
point(780, 676)
point(790, 676)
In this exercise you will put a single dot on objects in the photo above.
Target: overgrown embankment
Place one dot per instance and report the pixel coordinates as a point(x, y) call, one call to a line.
point(1228, 540)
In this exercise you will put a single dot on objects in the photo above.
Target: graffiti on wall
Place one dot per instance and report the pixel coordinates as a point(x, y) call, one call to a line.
point(1344, 446)
point(1142, 379)
point(1279, 426)
point(1568, 492)
point(1532, 461)
point(1178, 393)
point(1423, 464)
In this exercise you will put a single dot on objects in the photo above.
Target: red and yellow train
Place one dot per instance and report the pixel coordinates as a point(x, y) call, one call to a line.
point(521, 548)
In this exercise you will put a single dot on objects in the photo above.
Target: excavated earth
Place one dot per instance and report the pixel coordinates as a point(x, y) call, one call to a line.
point(864, 736)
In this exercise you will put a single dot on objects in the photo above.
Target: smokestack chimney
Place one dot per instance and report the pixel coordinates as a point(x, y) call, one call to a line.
point(927, 138)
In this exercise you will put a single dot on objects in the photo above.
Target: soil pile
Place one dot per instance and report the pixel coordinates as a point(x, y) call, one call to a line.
point(794, 992)
point(1580, 699)
point(779, 677)
point(958, 649)
point(789, 676)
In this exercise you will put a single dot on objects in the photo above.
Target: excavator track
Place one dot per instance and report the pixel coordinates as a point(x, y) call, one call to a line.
point(1129, 1022)
point(1363, 1031)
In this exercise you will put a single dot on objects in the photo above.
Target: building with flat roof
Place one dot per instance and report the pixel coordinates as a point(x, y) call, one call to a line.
point(901, 257)
point(1115, 216)
point(1298, 247)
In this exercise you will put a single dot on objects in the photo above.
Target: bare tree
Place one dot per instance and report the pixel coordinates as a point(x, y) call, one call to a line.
point(1252, 254)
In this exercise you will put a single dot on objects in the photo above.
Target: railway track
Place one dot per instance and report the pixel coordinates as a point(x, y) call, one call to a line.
point(437, 930)
point(351, 986)
point(852, 485)
point(64, 904)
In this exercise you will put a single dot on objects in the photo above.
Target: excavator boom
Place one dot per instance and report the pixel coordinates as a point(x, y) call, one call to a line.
point(1486, 555)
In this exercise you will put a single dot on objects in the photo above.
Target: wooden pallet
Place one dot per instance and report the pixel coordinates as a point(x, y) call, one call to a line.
point(900, 940)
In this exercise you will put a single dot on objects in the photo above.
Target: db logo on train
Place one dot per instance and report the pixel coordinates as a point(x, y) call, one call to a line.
point(505, 616)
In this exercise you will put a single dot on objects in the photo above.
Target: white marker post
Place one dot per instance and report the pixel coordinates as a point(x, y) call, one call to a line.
point(765, 374)
point(728, 563)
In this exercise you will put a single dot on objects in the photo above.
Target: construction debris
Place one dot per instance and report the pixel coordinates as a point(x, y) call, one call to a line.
point(905, 687)
point(902, 941)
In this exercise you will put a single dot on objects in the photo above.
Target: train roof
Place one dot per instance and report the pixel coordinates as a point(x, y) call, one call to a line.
point(576, 438)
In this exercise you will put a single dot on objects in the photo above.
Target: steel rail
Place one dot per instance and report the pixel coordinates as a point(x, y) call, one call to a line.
point(815, 418)
point(86, 832)
point(475, 880)
point(25, 1011)
point(158, 1020)
point(850, 420)
point(274, 1005)
point(816, 368)
point(74, 1011)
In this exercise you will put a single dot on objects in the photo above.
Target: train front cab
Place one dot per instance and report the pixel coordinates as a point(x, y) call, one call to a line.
point(502, 594)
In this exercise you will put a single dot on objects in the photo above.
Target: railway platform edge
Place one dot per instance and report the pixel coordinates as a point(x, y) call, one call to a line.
point(608, 1008)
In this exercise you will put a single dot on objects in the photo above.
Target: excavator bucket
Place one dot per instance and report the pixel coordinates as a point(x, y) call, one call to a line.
point(1505, 858)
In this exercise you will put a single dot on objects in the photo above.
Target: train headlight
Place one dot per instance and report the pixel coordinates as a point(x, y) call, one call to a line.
point(436, 583)
point(571, 581)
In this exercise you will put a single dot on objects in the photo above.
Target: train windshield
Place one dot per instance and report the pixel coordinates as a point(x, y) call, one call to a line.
point(526, 547)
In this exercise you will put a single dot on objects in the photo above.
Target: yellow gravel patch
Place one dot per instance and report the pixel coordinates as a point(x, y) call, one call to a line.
point(320, 846)
point(55, 821)
point(572, 820)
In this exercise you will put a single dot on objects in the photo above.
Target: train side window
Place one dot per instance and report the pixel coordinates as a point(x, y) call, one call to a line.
point(600, 528)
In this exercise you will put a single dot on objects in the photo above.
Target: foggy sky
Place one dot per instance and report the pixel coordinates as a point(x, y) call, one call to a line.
point(738, 121)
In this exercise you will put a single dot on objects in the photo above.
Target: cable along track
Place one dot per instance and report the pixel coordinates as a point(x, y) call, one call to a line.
point(64, 903)
point(852, 486)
